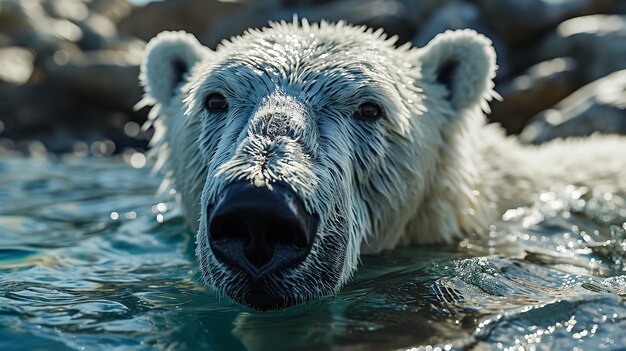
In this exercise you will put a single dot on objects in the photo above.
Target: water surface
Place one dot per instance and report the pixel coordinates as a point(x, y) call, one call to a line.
point(91, 259)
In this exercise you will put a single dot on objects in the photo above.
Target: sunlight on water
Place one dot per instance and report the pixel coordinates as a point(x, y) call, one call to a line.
point(91, 259)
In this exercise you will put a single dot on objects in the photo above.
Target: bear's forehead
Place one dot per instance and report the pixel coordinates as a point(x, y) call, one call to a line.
point(290, 49)
point(325, 64)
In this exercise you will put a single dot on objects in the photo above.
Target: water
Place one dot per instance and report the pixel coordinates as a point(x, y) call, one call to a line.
point(90, 259)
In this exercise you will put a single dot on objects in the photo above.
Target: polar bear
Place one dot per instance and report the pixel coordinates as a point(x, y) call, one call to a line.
point(298, 147)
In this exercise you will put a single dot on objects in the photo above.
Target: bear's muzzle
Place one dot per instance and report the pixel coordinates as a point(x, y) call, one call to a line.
point(260, 231)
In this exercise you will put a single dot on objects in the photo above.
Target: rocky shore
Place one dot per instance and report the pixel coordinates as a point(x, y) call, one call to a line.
point(68, 68)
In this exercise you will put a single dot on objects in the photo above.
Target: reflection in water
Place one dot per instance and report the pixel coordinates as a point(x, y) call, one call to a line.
point(91, 259)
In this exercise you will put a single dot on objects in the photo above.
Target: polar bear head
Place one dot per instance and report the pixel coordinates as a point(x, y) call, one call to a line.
point(298, 147)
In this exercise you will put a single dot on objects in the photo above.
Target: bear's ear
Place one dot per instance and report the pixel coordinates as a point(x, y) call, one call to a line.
point(464, 62)
point(168, 58)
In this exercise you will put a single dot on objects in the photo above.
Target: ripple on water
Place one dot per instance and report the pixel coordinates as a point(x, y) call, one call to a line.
point(91, 259)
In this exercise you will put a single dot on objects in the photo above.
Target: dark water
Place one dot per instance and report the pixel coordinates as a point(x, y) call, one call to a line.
point(90, 259)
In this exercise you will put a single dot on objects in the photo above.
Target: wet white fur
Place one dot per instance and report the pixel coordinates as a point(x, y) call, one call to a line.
point(431, 171)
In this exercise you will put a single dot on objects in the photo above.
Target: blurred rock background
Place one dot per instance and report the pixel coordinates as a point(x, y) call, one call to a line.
point(68, 68)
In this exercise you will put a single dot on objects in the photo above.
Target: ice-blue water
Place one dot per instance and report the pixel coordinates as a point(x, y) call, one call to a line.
point(90, 259)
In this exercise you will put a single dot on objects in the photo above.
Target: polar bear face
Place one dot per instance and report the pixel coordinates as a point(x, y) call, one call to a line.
point(305, 146)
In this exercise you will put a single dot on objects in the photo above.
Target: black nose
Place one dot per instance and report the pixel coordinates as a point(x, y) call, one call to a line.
point(261, 230)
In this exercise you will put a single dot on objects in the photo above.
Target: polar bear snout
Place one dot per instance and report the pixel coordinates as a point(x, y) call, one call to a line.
point(260, 230)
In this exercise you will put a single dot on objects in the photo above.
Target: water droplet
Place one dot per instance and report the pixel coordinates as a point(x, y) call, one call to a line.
point(161, 207)
point(132, 129)
point(61, 57)
point(137, 160)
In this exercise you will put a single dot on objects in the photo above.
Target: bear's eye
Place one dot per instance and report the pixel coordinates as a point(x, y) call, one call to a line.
point(216, 102)
point(368, 110)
